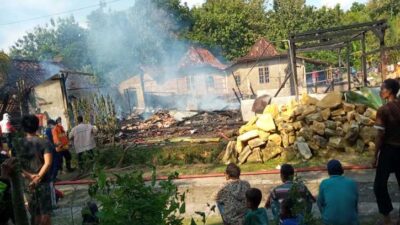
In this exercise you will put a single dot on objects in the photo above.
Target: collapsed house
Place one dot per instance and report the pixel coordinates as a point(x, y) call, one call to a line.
point(198, 75)
point(43, 88)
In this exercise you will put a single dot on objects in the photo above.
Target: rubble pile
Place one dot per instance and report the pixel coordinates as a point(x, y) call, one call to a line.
point(178, 124)
point(304, 129)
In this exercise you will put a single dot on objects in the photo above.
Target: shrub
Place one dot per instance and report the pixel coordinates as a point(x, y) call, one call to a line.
point(129, 199)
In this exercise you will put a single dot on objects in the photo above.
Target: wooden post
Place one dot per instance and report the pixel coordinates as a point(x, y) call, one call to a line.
point(348, 65)
point(364, 61)
point(293, 65)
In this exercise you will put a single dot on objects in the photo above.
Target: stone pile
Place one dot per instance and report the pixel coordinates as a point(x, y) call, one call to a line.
point(305, 128)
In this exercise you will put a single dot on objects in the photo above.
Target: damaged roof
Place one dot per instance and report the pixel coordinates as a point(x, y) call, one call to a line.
point(31, 71)
point(196, 56)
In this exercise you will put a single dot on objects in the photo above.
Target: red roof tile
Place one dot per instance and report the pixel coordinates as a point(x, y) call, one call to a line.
point(196, 56)
point(262, 48)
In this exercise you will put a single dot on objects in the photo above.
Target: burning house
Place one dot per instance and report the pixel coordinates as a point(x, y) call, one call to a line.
point(199, 81)
point(43, 87)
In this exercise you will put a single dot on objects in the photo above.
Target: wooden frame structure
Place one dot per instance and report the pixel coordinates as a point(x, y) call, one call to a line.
point(337, 38)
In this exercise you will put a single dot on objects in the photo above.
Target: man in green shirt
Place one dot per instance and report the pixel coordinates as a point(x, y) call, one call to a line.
point(338, 197)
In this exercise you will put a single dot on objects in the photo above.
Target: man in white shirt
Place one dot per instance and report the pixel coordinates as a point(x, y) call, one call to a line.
point(83, 139)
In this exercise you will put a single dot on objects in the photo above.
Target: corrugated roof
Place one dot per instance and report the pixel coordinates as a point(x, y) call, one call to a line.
point(196, 56)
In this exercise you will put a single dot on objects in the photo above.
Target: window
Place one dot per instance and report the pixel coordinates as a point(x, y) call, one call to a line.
point(263, 74)
point(237, 79)
point(210, 81)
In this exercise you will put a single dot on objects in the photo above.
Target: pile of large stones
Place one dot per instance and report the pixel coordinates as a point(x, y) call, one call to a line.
point(305, 128)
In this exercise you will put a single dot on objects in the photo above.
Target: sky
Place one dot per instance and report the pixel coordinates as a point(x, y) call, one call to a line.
point(20, 16)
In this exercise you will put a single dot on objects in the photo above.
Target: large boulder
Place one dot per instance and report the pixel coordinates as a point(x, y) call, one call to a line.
point(248, 135)
point(336, 142)
point(363, 120)
point(244, 154)
point(314, 117)
point(368, 134)
point(320, 141)
point(370, 113)
point(263, 135)
point(330, 124)
point(360, 108)
point(297, 125)
point(271, 151)
point(285, 139)
point(308, 110)
point(266, 122)
point(326, 113)
point(318, 127)
point(308, 100)
point(352, 133)
point(330, 133)
point(276, 139)
point(351, 116)
point(251, 125)
point(255, 156)
point(348, 107)
point(255, 143)
point(304, 150)
point(338, 112)
point(331, 100)
point(230, 155)
point(306, 133)
point(272, 109)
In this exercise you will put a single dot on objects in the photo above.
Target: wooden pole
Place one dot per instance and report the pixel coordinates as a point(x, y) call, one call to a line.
point(348, 66)
point(364, 61)
point(293, 65)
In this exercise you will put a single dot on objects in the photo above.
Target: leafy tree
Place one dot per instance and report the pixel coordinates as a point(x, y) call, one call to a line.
point(4, 68)
point(230, 25)
point(62, 40)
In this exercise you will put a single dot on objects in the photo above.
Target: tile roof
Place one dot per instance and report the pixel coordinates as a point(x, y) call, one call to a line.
point(196, 56)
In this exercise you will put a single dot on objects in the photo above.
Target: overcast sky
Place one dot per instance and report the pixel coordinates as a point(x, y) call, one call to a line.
point(19, 16)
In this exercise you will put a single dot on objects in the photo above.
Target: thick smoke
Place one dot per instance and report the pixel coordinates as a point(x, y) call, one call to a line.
point(144, 37)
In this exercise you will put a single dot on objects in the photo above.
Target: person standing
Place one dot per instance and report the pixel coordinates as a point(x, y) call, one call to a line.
point(387, 154)
point(61, 143)
point(231, 197)
point(83, 138)
point(338, 197)
point(36, 160)
point(7, 131)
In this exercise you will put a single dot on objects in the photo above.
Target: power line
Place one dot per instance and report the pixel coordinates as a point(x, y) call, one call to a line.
point(60, 13)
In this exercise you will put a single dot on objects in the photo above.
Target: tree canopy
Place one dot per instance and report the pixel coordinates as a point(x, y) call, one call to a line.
point(158, 31)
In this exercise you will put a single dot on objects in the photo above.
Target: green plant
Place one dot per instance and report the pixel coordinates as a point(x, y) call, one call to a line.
point(301, 206)
point(367, 96)
point(203, 215)
point(129, 199)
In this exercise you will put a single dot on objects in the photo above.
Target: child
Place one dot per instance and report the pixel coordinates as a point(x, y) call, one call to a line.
point(287, 216)
point(255, 216)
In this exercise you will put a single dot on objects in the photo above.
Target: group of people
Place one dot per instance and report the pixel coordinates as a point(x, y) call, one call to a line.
point(41, 158)
point(338, 195)
point(289, 202)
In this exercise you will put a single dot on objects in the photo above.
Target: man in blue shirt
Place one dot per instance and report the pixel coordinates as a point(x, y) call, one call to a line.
point(338, 197)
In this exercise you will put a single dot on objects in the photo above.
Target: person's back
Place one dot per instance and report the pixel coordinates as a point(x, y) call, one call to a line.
point(231, 197)
point(83, 136)
point(338, 200)
point(283, 191)
point(255, 215)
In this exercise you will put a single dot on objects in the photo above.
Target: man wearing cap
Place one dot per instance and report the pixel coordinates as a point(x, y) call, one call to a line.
point(338, 197)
